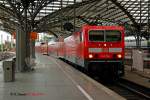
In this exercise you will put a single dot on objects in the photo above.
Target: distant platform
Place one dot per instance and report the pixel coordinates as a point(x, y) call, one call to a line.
point(139, 77)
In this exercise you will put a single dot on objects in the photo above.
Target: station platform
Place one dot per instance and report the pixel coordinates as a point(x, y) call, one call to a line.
point(139, 77)
point(53, 79)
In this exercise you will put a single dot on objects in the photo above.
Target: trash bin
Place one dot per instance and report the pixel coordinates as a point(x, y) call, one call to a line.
point(9, 71)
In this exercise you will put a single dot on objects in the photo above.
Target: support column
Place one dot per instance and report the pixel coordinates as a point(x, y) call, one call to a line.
point(33, 48)
point(12, 42)
point(20, 50)
point(2, 42)
point(74, 14)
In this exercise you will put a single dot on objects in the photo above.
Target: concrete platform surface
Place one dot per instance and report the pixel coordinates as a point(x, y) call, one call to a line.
point(54, 80)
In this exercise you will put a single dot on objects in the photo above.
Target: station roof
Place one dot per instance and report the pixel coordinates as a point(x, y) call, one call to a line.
point(50, 15)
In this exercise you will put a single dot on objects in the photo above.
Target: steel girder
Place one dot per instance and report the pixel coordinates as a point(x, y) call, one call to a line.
point(32, 7)
point(86, 7)
point(126, 12)
point(8, 18)
point(90, 8)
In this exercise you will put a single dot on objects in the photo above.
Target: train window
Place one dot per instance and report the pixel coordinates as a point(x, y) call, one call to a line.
point(96, 35)
point(112, 35)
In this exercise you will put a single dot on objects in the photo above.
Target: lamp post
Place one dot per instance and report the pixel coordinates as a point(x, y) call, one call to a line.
point(2, 42)
point(74, 11)
point(148, 25)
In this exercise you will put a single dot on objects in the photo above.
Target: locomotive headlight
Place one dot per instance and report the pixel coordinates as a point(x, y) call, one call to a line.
point(90, 56)
point(119, 56)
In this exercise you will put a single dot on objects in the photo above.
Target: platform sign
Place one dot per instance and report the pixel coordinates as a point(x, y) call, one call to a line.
point(137, 60)
point(33, 35)
point(14, 35)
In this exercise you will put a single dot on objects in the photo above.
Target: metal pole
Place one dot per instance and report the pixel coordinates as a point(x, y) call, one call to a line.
point(11, 42)
point(139, 30)
point(47, 47)
point(149, 16)
point(140, 23)
point(27, 34)
point(148, 25)
point(32, 41)
point(74, 10)
point(27, 42)
point(61, 3)
point(2, 42)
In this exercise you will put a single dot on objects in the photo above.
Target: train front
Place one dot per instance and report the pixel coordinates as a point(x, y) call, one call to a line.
point(104, 50)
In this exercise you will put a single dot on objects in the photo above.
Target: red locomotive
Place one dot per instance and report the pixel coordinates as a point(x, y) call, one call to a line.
point(97, 49)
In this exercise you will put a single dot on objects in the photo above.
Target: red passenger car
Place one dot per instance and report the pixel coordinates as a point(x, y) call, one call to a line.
point(98, 49)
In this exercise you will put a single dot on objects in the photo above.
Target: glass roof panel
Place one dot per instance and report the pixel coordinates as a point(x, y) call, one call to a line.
point(56, 5)
point(137, 8)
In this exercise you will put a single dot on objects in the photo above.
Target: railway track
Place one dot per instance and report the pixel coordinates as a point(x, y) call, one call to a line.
point(129, 90)
point(135, 88)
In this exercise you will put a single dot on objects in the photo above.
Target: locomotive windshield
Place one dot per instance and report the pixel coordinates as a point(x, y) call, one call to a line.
point(96, 35)
point(113, 35)
point(104, 35)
